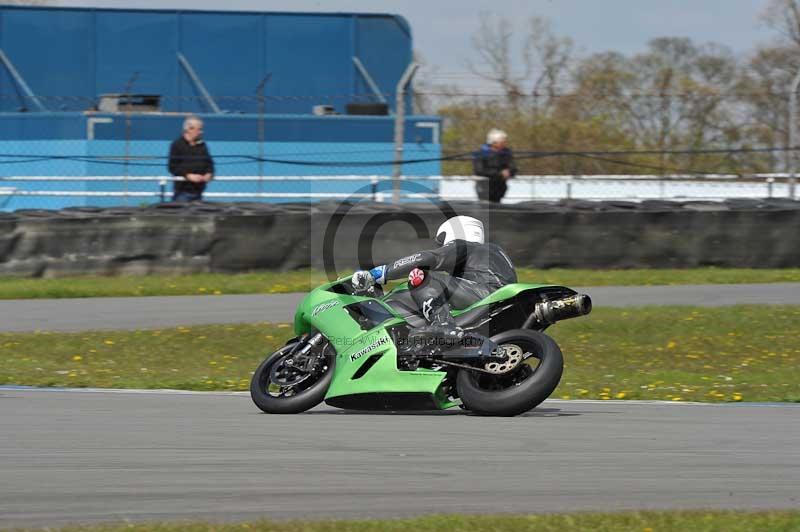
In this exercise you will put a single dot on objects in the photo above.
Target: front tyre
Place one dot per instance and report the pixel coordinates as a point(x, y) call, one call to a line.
point(279, 387)
point(526, 379)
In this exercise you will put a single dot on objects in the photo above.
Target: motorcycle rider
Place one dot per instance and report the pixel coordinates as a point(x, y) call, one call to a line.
point(462, 271)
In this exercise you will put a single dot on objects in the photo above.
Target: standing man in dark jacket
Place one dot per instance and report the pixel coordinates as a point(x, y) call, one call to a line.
point(189, 159)
point(495, 162)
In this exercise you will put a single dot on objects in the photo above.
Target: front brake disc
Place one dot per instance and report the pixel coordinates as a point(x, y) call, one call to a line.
point(285, 373)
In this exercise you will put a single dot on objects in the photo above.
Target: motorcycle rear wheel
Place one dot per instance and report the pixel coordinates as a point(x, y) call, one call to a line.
point(520, 389)
point(273, 398)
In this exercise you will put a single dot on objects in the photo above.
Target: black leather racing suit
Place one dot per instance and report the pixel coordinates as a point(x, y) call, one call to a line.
point(474, 271)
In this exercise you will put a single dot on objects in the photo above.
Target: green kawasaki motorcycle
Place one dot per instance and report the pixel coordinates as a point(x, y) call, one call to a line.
point(358, 350)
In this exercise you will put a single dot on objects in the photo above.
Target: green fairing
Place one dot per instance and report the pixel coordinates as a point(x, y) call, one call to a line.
point(324, 311)
point(349, 340)
point(503, 294)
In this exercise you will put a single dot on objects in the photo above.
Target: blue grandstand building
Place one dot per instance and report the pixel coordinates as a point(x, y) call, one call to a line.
point(102, 93)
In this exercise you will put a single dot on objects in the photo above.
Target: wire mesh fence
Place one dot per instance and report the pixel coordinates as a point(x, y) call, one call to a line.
point(75, 151)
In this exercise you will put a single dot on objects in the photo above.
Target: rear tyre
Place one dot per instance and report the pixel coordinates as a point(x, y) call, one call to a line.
point(512, 391)
point(269, 389)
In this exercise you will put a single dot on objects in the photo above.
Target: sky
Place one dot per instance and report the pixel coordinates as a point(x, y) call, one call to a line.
point(442, 29)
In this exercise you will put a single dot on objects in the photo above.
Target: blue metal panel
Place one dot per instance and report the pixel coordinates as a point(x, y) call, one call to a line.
point(38, 126)
point(310, 62)
point(136, 41)
point(52, 53)
point(277, 128)
point(209, 43)
point(383, 48)
point(84, 52)
point(43, 157)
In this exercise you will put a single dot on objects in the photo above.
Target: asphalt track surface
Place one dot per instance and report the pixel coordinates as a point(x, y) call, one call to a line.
point(160, 312)
point(86, 457)
point(71, 457)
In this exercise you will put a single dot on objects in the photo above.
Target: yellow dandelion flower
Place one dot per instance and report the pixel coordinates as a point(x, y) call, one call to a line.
point(217, 292)
point(77, 358)
point(620, 395)
point(737, 397)
point(108, 342)
point(671, 344)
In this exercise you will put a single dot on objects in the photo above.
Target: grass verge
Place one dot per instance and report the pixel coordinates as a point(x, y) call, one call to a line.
point(744, 353)
point(721, 521)
point(304, 280)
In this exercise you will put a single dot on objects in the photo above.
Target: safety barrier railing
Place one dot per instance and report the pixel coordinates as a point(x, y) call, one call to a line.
point(521, 188)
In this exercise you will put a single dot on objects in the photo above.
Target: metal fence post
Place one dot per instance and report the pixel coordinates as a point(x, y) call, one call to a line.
point(128, 132)
point(399, 128)
point(261, 132)
point(793, 134)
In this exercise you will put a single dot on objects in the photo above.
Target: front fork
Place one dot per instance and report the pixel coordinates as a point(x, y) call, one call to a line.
point(299, 356)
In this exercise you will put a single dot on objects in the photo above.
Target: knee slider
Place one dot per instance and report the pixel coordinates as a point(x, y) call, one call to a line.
point(416, 278)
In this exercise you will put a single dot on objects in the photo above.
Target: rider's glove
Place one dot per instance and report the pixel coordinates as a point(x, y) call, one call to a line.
point(362, 280)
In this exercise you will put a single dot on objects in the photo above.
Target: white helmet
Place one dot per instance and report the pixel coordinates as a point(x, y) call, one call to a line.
point(460, 228)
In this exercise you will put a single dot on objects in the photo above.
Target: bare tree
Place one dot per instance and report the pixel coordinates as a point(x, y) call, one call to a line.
point(770, 74)
point(537, 69)
point(677, 94)
point(549, 55)
point(493, 43)
point(764, 93)
point(429, 96)
point(784, 16)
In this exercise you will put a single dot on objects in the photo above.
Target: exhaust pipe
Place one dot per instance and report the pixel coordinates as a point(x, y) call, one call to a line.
point(549, 312)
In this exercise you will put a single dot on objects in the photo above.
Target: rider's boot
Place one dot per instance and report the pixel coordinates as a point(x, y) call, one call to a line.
point(441, 323)
point(430, 296)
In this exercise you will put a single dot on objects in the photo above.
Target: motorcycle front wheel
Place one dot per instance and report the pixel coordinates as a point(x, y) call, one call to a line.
point(278, 386)
point(532, 370)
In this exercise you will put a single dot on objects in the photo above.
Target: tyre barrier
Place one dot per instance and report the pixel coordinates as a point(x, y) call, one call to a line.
point(236, 237)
